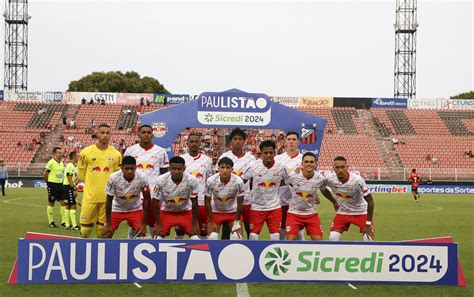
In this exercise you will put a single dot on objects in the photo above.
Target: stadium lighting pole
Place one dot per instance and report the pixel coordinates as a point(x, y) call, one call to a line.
point(405, 49)
point(16, 45)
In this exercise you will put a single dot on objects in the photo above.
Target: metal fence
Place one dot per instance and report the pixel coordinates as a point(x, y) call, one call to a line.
point(369, 173)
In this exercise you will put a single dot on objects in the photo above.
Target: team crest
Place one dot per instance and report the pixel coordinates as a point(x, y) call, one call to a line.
point(308, 135)
point(159, 129)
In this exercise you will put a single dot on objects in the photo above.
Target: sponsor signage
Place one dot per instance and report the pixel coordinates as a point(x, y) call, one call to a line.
point(388, 188)
point(234, 109)
point(133, 98)
point(23, 96)
point(389, 103)
point(288, 101)
point(458, 104)
point(170, 98)
point(316, 102)
point(1, 94)
point(112, 261)
point(53, 96)
point(97, 97)
point(442, 189)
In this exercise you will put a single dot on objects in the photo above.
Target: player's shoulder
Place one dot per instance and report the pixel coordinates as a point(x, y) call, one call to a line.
point(88, 149)
point(250, 156)
point(131, 149)
point(236, 178)
point(159, 149)
point(211, 179)
point(140, 175)
point(114, 151)
point(206, 157)
point(356, 178)
point(331, 177)
point(163, 177)
point(116, 175)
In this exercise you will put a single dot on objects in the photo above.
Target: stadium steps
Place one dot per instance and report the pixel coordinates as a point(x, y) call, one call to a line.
point(128, 117)
point(400, 122)
point(454, 122)
point(387, 151)
point(72, 111)
point(344, 120)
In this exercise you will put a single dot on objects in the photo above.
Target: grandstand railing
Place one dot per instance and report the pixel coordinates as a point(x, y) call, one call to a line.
point(369, 173)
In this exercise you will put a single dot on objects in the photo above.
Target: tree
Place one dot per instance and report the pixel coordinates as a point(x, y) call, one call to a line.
point(117, 82)
point(467, 95)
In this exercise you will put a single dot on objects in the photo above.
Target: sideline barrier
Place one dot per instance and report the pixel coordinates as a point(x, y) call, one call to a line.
point(442, 189)
point(90, 261)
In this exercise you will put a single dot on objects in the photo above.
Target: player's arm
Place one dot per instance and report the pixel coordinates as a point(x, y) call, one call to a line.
point(155, 201)
point(46, 175)
point(107, 233)
point(165, 164)
point(211, 225)
point(370, 206)
point(82, 166)
point(328, 195)
point(195, 212)
point(147, 198)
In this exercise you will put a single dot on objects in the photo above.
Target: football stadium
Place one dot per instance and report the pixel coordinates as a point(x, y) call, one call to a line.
point(232, 192)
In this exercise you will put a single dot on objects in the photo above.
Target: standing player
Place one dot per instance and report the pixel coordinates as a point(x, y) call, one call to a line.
point(302, 205)
point(53, 176)
point(177, 191)
point(70, 191)
point(415, 182)
point(266, 176)
point(242, 161)
point(356, 205)
point(123, 198)
point(199, 166)
point(224, 200)
point(292, 159)
point(152, 160)
point(96, 163)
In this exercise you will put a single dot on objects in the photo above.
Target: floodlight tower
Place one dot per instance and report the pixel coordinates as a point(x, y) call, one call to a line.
point(16, 45)
point(405, 49)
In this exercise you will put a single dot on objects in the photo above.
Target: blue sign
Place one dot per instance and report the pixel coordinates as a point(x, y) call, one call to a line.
point(442, 189)
point(234, 108)
point(1, 94)
point(170, 98)
point(53, 96)
point(112, 261)
point(389, 103)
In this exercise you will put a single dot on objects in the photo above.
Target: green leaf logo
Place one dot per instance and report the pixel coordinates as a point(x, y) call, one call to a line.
point(277, 261)
point(208, 117)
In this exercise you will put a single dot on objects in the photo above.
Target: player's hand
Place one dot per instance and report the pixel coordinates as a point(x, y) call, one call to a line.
point(141, 232)
point(157, 230)
point(336, 206)
point(74, 193)
point(211, 226)
point(237, 227)
point(107, 231)
point(369, 231)
point(317, 201)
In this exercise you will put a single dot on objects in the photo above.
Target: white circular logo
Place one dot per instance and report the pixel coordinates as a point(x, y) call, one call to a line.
point(233, 267)
point(261, 102)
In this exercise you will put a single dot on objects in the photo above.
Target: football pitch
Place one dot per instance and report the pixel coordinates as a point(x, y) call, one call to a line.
point(397, 217)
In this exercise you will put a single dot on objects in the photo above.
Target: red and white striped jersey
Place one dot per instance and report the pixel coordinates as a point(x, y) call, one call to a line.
point(175, 197)
point(349, 194)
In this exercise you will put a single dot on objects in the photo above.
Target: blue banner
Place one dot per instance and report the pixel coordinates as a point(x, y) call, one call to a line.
point(1, 94)
point(112, 261)
point(389, 103)
point(170, 98)
point(53, 96)
point(234, 108)
point(444, 189)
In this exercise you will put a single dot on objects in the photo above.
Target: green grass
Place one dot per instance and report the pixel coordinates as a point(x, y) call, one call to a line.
point(397, 218)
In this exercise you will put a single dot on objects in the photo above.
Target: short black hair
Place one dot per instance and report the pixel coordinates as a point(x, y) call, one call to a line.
point(340, 158)
point(225, 161)
point(177, 160)
point(311, 154)
point(237, 132)
point(413, 170)
point(129, 160)
point(55, 149)
point(94, 136)
point(145, 126)
point(292, 133)
point(194, 134)
point(72, 154)
point(267, 143)
point(104, 125)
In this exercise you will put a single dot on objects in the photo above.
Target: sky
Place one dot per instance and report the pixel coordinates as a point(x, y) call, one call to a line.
point(289, 48)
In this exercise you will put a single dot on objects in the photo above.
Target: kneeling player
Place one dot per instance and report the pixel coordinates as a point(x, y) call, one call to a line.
point(356, 205)
point(224, 199)
point(123, 199)
point(178, 193)
point(302, 205)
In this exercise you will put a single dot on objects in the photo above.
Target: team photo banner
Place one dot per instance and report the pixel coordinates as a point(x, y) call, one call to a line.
point(112, 261)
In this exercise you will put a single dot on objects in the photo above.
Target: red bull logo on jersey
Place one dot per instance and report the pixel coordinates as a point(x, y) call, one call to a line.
point(106, 169)
point(308, 134)
point(237, 172)
point(145, 166)
point(159, 129)
point(344, 196)
point(128, 197)
point(304, 195)
point(176, 199)
point(223, 199)
point(95, 169)
point(266, 184)
point(197, 174)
